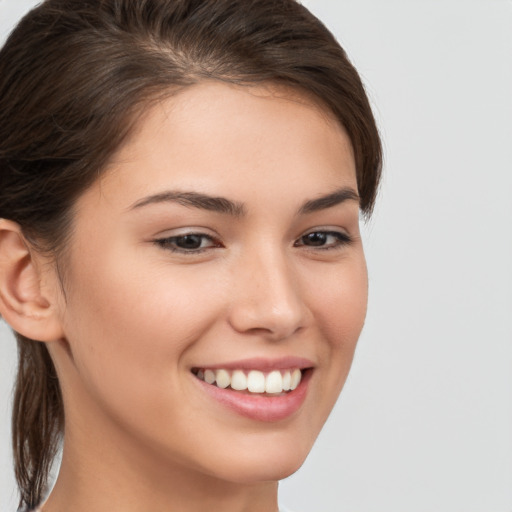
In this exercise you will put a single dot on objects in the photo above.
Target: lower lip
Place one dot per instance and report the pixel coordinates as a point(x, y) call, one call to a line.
point(259, 407)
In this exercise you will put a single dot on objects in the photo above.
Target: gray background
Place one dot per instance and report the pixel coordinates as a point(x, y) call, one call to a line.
point(425, 421)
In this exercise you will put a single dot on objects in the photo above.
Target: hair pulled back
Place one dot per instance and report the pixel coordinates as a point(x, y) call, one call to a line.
point(75, 75)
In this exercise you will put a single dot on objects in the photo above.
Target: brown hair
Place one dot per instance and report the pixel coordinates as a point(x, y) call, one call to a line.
point(74, 74)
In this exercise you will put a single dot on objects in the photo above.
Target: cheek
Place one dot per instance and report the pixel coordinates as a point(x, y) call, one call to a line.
point(339, 301)
point(131, 299)
point(135, 316)
point(339, 307)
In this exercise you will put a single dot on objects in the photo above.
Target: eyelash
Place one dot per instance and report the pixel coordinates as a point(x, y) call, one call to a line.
point(169, 243)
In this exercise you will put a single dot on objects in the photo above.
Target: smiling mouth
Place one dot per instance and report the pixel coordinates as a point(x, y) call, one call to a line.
point(274, 383)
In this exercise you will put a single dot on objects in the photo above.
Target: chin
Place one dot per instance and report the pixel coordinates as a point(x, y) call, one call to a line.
point(270, 471)
point(264, 461)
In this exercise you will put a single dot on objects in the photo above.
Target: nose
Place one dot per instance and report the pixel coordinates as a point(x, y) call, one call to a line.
point(266, 298)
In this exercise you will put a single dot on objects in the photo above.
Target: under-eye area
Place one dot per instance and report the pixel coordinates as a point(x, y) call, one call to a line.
point(275, 382)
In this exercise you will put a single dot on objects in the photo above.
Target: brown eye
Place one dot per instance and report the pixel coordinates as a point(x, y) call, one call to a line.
point(315, 239)
point(190, 243)
point(324, 239)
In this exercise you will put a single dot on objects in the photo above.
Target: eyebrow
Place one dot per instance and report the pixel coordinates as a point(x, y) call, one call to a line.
point(195, 200)
point(237, 209)
point(328, 201)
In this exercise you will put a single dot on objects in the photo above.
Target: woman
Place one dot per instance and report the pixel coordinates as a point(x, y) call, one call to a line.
point(180, 258)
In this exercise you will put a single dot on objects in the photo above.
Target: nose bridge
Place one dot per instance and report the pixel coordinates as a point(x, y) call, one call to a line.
point(267, 296)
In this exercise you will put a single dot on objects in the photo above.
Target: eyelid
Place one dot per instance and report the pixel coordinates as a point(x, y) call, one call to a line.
point(185, 230)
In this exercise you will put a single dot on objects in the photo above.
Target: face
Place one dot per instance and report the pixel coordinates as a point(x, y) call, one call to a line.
point(222, 243)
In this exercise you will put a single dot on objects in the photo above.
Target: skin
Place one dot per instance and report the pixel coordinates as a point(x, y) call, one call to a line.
point(136, 316)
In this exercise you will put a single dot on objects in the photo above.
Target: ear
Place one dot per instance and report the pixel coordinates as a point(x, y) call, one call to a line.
point(28, 296)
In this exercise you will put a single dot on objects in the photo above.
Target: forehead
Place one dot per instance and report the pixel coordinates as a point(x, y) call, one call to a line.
point(227, 138)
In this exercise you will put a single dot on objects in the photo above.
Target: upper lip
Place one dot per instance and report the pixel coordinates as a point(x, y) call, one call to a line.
point(262, 364)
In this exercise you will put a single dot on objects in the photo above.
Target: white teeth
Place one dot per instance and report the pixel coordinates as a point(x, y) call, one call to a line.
point(239, 380)
point(287, 380)
point(255, 381)
point(274, 382)
point(222, 378)
point(296, 376)
point(209, 376)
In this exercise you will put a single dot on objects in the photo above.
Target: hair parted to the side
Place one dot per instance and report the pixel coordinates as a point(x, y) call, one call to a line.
point(75, 75)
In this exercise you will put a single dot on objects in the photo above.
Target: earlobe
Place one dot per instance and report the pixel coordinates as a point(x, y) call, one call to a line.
point(26, 304)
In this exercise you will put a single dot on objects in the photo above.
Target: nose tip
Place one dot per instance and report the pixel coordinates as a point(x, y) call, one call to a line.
point(269, 304)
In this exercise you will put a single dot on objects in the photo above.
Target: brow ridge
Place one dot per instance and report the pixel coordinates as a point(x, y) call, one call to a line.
point(328, 201)
point(237, 209)
point(195, 200)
